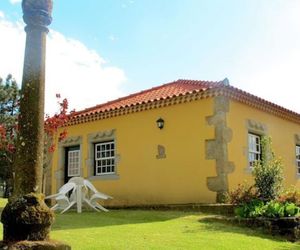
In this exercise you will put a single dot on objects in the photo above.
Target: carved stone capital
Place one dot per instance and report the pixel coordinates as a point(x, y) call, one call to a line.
point(37, 13)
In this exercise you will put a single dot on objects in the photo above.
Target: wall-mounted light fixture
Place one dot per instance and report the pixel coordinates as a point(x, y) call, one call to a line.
point(160, 123)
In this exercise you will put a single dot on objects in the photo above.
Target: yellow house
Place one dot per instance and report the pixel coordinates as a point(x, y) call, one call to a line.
point(182, 142)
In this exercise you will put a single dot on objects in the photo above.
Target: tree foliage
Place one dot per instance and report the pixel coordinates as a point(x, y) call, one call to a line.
point(9, 110)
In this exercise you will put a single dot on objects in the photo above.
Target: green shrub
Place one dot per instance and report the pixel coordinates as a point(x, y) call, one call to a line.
point(292, 195)
point(272, 209)
point(267, 172)
point(291, 209)
point(252, 209)
point(244, 193)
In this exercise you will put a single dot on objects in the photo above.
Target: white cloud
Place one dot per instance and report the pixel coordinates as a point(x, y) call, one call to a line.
point(15, 1)
point(269, 64)
point(72, 69)
point(1, 14)
point(11, 49)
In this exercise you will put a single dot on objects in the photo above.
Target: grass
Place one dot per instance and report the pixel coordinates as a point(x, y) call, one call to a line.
point(137, 229)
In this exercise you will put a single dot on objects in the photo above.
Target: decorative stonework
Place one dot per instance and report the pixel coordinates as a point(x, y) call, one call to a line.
point(70, 141)
point(37, 14)
point(98, 137)
point(102, 134)
point(60, 172)
point(256, 127)
point(161, 152)
point(216, 149)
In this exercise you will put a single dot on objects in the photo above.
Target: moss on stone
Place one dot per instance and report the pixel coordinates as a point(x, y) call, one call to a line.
point(35, 245)
point(27, 218)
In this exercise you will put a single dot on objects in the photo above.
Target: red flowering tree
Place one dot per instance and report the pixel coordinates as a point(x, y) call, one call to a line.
point(52, 123)
point(9, 111)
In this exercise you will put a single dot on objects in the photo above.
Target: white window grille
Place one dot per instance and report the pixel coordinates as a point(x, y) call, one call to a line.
point(254, 149)
point(74, 163)
point(298, 158)
point(105, 158)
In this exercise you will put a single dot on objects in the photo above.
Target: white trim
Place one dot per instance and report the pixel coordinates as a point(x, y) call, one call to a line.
point(298, 159)
point(73, 163)
point(105, 158)
point(254, 148)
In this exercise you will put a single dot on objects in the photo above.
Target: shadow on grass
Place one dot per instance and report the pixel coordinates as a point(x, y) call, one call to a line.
point(219, 223)
point(90, 219)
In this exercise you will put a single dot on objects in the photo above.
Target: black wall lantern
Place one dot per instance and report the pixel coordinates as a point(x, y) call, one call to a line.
point(160, 123)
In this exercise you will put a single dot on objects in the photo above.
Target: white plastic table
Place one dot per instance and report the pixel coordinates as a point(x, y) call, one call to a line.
point(79, 198)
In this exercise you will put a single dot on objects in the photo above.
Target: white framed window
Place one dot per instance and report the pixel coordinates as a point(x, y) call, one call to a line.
point(105, 158)
point(254, 152)
point(73, 163)
point(298, 159)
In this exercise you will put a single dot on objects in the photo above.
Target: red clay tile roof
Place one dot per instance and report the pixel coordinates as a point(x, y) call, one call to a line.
point(168, 90)
point(179, 88)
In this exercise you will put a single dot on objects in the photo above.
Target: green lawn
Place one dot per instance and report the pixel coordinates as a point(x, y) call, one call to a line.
point(136, 229)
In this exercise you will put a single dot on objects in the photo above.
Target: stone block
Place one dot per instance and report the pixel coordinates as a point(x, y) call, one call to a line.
point(227, 135)
point(229, 167)
point(216, 184)
point(221, 104)
point(210, 149)
point(216, 119)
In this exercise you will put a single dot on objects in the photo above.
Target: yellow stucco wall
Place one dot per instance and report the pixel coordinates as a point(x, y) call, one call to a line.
point(281, 131)
point(182, 176)
point(143, 179)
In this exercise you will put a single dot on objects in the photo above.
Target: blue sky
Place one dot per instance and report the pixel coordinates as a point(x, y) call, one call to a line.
point(100, 50)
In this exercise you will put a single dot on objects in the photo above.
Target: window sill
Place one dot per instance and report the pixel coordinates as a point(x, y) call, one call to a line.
point(105, 177)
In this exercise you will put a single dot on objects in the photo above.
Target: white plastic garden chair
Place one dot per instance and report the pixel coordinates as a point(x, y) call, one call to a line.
point(62, 199)
point(96, 195)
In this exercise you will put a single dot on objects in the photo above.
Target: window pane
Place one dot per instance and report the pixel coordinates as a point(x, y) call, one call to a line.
point(73, 163)
point(105, 153)
point(254, 148)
